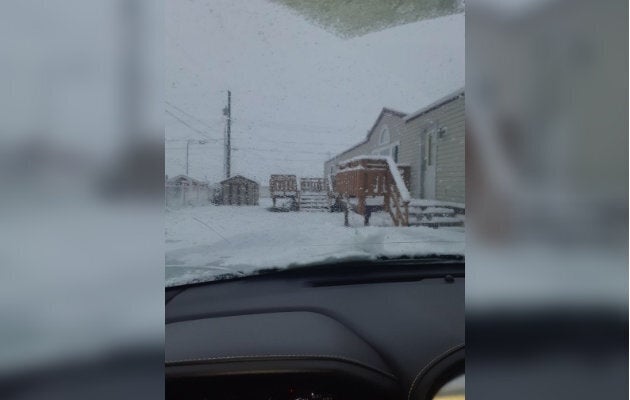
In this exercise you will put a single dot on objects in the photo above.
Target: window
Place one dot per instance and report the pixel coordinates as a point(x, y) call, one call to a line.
point(384, 138)
point(429, 152)
point(395, 153)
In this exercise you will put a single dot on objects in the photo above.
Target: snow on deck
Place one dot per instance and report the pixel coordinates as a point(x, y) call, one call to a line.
point(402, 188)
point(204, 242)
point(436, 203)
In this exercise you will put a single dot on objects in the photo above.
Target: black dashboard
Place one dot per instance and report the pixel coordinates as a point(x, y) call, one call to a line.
point(383, 330)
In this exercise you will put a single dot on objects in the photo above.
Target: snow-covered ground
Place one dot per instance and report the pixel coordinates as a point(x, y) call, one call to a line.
point(204, 242)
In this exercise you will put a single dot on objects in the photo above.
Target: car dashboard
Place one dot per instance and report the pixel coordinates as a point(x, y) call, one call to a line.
point(386, 330)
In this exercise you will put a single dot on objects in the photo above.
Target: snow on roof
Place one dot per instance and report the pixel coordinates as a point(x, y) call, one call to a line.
point(385, 110)
point(359, 168)
point(406, 117)
point(240, 177)
point(359, 158)
point(451, 96)
point(187, 178)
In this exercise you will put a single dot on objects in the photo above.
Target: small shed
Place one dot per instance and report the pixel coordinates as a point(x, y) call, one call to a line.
point(239, 191)
point(184, 191)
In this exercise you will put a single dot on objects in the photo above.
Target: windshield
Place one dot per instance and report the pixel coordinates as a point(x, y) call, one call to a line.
point(302, 132)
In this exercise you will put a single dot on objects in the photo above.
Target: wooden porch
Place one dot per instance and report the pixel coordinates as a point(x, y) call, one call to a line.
point(284, 187)
point(372, 183)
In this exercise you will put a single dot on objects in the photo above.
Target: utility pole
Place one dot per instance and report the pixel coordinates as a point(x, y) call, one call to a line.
point(227, 111)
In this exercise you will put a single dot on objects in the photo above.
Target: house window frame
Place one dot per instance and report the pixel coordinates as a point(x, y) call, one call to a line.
point(389, 148)
point(382, 140)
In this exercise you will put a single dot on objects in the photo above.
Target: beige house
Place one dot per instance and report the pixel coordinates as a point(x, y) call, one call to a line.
point(382, 139)
point(430, 141)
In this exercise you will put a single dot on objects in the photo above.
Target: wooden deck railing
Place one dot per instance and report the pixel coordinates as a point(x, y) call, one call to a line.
point(312, 185)
point(282, 185)
point(366, 177)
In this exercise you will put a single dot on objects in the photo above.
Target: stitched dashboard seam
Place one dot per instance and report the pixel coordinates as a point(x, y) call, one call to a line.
point(280, 356)
point(429, 364)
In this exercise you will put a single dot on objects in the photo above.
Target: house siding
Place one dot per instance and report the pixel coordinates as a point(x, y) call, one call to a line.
point(395, 125)
point(410, 133)
point(410, 154)
point(450, 155)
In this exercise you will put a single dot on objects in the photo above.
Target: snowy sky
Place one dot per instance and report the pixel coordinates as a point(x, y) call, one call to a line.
point(299, 93)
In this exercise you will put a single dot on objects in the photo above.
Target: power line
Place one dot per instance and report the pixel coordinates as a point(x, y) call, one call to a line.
point(193, 150)
point(280, 150)
point(295, 125)
point(240, 148)
point(306, 143)
point(286, 128)
point(276, 150)
point(288, 125)
point(183, 140)
point(265, 157)
point(206, 124)
point(202, 133)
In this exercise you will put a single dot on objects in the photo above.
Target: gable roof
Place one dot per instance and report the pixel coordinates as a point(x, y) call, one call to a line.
point(238, 177)
point(182, 177)
point(384, 111)
point(446, 99)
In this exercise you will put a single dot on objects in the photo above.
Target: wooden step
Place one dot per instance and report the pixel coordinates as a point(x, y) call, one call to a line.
point(314, 201)
point(434, 205)
point(433, 212)
point(438, 222)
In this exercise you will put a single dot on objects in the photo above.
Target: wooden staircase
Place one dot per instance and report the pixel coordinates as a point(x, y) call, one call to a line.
point(369, 184)
point(313, 201)
point(435, 214)
point(313, 195)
